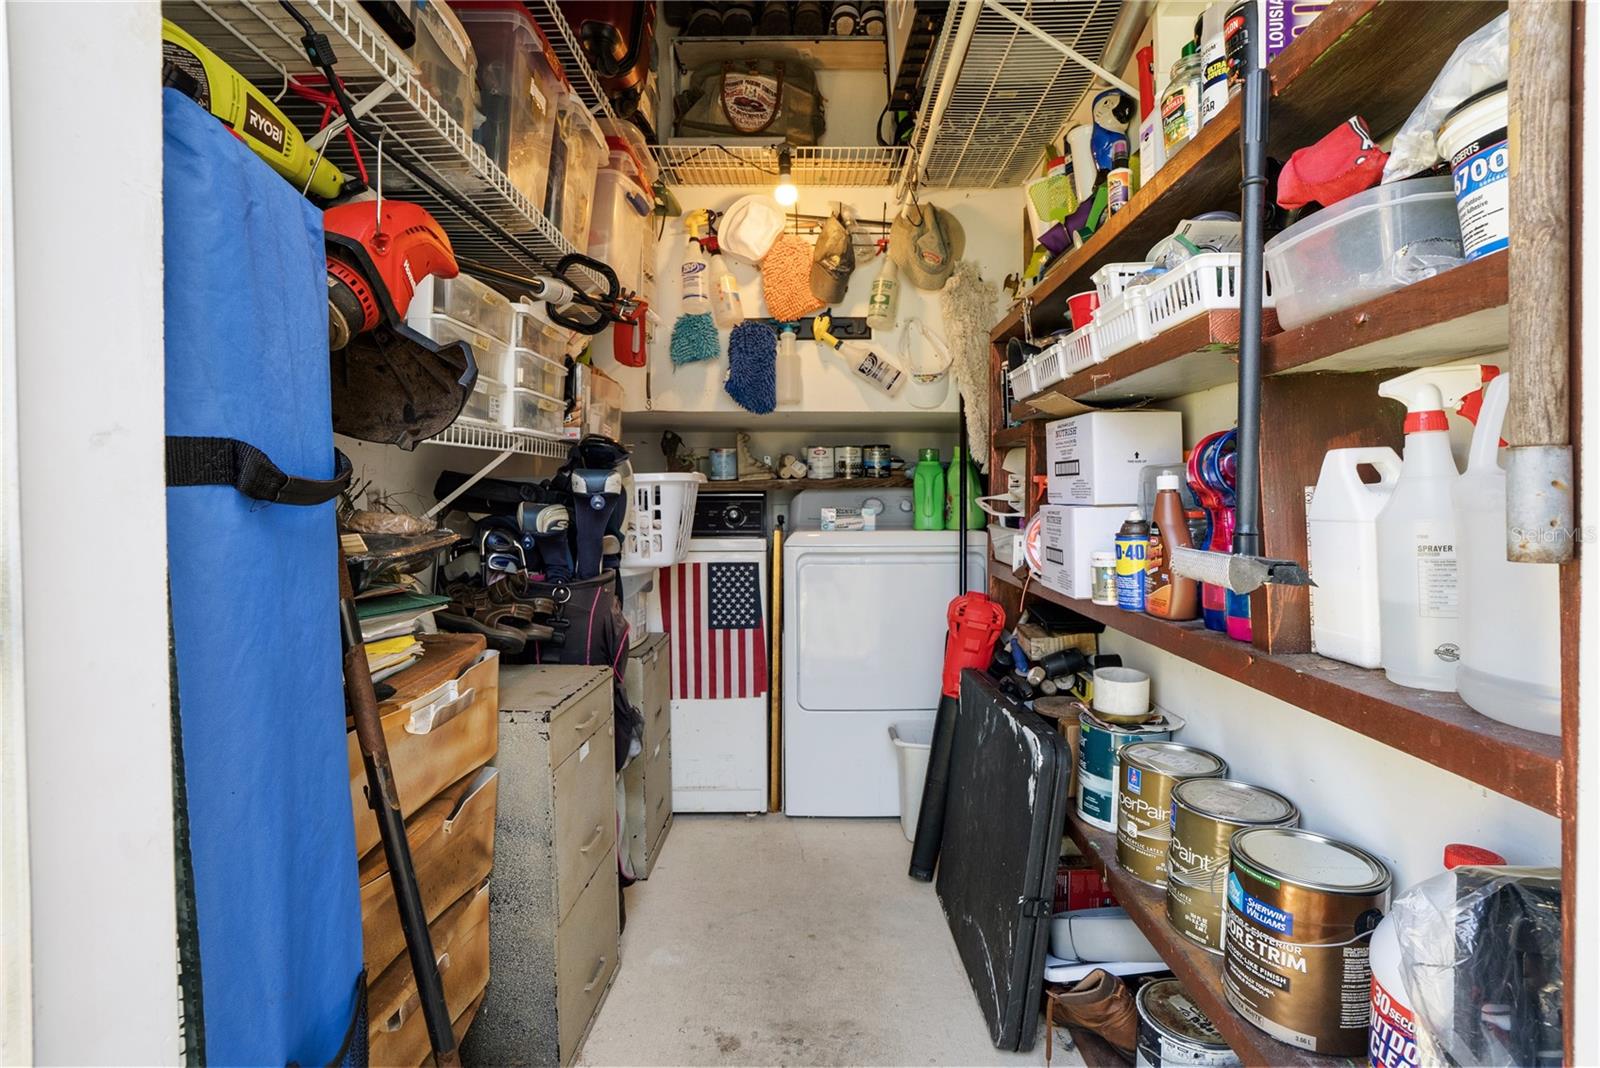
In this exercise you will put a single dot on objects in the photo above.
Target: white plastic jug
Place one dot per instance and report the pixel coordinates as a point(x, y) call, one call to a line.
point(1510, 666)
point(1343, 552)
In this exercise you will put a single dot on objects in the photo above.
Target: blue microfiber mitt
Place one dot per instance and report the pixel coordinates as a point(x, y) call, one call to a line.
point(694, 338)
point(753, 367)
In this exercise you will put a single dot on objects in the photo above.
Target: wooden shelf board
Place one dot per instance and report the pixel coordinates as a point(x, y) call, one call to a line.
point(1450, 316)
point(1437, 728)
point(1011, 437)
point(797, 484)
point(1374, 57)
point(1199, 971)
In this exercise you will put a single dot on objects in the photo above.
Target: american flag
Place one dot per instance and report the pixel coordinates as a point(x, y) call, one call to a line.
point(713, 613)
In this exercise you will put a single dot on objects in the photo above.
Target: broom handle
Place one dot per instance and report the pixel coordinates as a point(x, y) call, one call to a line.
point(1252, 211)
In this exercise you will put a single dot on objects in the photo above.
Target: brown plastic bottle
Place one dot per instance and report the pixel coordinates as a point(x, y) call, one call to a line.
point(1170, 596)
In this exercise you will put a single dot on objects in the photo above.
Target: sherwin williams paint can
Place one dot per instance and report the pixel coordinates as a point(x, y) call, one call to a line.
point(819, 461)
point(1098, 743)
point(875, 460)
point(1173, 1030)
point(1147, 774)
point(847, 461)
point(1205, 815)
point(1301, 911)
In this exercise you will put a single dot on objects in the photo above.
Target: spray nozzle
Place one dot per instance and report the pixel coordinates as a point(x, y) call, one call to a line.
point(1429, 392)
point(819, 330)
point(698, 223)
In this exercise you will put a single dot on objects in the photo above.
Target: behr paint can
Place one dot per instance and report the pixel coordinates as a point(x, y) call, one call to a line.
point(1301, 911)
point(1098, 743)
point(1205, 815)
point(819, 461)
point(1148, 771)
point(847, 461)
point(1173, 1030)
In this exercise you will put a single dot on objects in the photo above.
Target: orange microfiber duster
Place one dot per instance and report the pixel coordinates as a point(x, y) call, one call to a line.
point(786, 276)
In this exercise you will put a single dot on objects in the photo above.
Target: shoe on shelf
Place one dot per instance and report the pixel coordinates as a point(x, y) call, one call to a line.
point(810, 18)
point(776, 18)
point(1099, 1002)
point(738, 19)
point(704, 21)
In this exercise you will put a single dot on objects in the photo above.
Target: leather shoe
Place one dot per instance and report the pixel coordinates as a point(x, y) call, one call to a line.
point(1100, 1002)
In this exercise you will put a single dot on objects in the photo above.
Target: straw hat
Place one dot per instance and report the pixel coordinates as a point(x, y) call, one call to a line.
point(926, 242)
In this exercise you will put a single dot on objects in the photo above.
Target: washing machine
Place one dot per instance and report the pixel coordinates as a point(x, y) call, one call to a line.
point(713, 608)
point(863, 644)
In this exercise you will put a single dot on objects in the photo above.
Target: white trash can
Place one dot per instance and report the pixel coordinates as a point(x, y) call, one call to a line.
point(912, 741)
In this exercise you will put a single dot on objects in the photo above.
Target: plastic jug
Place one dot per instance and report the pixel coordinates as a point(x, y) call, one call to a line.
point(927, 482)
point(1343, 537)
point(952, 490)
point(1510, 666)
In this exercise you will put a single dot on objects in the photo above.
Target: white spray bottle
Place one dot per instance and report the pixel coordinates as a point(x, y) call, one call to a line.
point(865, 359)
point(1417, 576)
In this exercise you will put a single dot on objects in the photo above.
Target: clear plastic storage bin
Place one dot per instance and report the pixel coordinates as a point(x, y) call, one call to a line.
point(464, 300)
point(534, 413)
point(574, 161)
point(486, 405)
point(1363, 247)
point(620, 233)
point(526, 369)
point(488, 351)
point(519, 80)
point(445, 61)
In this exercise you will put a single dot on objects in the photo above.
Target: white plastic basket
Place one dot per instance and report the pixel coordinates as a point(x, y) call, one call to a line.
point(1122, 323)
point(663, 515)
point(1079, 350)
point(1047, 369)
point(1204, 283)
point(1113, 278)
point(1021, 379)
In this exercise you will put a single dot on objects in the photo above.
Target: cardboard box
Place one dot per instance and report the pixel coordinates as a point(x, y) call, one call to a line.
point(1096, 458)
point(1068, 536)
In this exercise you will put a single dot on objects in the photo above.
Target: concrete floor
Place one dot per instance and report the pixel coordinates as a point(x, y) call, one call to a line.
point(766, 940)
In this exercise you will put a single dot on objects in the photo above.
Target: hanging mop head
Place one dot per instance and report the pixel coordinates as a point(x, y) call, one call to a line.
point(694, 338)
point(786, 278)
point(752, 367)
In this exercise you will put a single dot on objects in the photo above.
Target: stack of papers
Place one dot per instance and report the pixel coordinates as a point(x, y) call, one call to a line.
point(390, 624)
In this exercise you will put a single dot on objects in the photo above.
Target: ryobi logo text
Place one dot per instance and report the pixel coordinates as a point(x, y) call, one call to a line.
point(259, 123)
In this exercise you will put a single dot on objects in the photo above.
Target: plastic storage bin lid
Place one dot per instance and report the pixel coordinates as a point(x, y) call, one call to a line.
point(514, 12)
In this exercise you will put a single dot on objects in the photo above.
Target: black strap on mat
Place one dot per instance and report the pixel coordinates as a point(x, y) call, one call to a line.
point(230, 462)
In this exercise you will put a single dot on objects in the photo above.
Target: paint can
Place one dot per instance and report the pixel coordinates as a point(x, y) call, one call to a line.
point(847, 461)
point(724, 465)
point(1473, 138)
point(1301, 911)
point(875, 460)
point(1147, 773)
point(1098, 743)
point(1205, 815)
point(1173, 1030)
point(819, 461)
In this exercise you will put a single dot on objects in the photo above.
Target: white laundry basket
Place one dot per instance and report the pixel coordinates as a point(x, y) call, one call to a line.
point(663, 515)
point(913, 739)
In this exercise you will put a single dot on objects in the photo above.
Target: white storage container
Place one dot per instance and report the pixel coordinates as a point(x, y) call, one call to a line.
point(1079, 350)
point(1069, 536)
point(1342, 539)
point(1363, 247)
point(1021, 379)
point(1097, 458)
point(1205, 283)
point(1122, 323)
point(1047, 366)
point(526, 369)
point(1112, 279)
point(913, 742)
point(530, 329)
point(619, 233)
point(662, 514)
point(533, 413)
point(488, 351)
point(464, 299)
point(486, 405)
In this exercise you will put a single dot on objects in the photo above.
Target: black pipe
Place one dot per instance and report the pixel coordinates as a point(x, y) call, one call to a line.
point(1252, 213)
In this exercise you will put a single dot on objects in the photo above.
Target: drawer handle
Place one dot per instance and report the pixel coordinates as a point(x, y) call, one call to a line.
point(594, 718)
point(594, 980)
point(594, 840)
point(661, 801)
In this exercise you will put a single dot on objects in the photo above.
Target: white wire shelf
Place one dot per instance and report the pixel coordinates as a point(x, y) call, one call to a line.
point(260, 40)
point(713, 164)
point(1013, 94)
point(493, 439)
point(584, 81)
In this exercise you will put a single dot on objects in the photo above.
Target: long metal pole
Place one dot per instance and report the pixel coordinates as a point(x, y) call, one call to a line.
point(1252, 211)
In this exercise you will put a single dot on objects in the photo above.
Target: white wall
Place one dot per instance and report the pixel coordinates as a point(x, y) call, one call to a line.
point(992, 222)
point(86, 182)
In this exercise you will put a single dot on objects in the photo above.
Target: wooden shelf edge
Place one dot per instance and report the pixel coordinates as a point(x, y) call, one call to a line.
point(770, 484)
point(1199, 971)
point(1436, 728)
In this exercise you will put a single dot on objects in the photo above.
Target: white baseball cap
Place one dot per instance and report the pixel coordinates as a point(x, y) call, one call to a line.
point(748, 229)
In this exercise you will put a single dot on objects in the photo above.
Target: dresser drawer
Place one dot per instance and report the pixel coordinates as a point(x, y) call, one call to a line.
point(649, 685)
point(397, 1033)
point(586, 959)
point(585, 804)
point(658, 793)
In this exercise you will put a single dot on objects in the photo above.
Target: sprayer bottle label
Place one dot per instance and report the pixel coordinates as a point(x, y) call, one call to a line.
point(883, 373)
point(1436, 570)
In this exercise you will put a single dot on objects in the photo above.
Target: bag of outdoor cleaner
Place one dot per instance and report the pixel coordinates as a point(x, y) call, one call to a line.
point(764, 98)
point(269, 914)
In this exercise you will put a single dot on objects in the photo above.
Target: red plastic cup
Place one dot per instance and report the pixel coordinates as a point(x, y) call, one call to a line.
point(1082, 307)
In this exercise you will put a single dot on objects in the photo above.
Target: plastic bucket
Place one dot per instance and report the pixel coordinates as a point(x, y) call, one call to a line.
point(912, 741)
point(1473, 139)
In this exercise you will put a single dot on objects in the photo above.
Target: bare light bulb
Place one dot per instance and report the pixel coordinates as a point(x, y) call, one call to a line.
point(786, 192)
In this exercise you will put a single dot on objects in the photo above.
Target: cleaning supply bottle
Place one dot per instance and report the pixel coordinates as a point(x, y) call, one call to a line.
point(952, 493)
point(885, 296)
point(727, 309)
point(1510, 666)
point(1419, 615)
point(788, 365)
point(693, 285)
point(1119, 180)
point(1213, 61)
point(1342, 536)
point(865, 359)
point(1132, 545)
point(1169, 595)
point(927, 482)
point(1211, 472)
point(1392, 1042)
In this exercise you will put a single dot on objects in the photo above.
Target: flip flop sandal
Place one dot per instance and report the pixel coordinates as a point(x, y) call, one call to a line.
point(475, 610)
